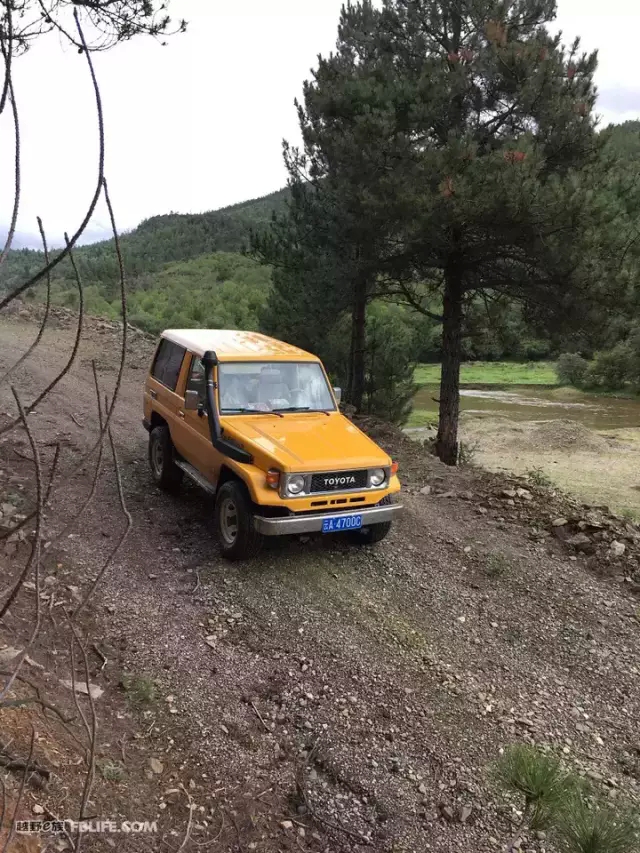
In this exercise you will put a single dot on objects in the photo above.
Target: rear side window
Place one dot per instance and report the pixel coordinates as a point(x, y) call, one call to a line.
point(167, 363)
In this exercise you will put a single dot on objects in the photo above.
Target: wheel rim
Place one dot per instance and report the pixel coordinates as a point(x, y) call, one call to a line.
point(228, 521)
point(157, 458)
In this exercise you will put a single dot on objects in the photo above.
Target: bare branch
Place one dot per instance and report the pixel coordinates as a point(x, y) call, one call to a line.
point(16, 188)
point(34, 557)
point(92, 731)
point(25, 776)
point(30, 408)
point(26, 355)
point(94, 201)
point(120, 542)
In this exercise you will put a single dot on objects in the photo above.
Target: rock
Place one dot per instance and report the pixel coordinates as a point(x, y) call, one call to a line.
point(81, 687)
point(37, 809)
point(156, 766)
point(8, 654)
point(509, 493)
point(286, 824)
point(447, 812)
point(422, 788)
point(559, 522)
point(425, 490)
point(465, 813)
point(579, 540)
point(617, 549)
point(525, 494)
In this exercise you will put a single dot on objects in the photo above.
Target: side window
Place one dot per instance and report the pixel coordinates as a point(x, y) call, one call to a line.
point(167, 363)
point(196, 382)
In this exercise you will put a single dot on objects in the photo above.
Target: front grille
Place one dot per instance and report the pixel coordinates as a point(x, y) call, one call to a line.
point(339, 481)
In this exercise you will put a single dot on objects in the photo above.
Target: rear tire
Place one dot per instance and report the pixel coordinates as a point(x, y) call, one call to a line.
point(239, 540)
point(161, 460)
point(375, 532)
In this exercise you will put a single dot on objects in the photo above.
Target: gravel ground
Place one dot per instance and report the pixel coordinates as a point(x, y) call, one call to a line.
point(325, 698)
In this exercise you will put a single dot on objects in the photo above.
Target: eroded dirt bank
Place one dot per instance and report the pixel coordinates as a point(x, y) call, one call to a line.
point(319, 698)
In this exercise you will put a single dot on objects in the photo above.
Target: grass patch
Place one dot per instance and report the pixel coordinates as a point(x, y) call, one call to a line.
point(538, 477)
point(112, 771)
point(140, 689)
point(496, 566)
point(494, 373)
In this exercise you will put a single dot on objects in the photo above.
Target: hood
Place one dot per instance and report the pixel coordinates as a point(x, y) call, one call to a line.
point(307, 441)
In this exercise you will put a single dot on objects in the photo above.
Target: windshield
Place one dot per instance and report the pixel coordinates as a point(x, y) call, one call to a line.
point(279, 386)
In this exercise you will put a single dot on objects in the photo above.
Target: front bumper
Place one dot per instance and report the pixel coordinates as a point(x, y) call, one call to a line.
point(312, 522)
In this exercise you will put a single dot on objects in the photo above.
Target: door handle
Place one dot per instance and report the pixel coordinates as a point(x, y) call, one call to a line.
point(153, 395)
point(181, 414)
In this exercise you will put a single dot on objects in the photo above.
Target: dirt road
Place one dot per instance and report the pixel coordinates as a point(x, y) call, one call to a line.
point(323, 698)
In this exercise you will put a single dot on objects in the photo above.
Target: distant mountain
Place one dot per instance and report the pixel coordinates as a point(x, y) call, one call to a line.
point(153, 244)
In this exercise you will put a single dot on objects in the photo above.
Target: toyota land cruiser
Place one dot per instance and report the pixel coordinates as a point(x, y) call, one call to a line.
point(255, 422)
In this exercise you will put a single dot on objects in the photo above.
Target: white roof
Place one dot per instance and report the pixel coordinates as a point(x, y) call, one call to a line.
point(235, 345)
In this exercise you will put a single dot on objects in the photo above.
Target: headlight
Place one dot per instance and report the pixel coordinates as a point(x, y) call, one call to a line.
point(377, 476)
point(295, 484)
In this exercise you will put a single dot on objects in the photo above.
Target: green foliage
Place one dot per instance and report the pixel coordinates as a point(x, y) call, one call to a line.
point(572, 369)
point(595, 828)
point(388, 359)
point(497, 565)
point(467, 452)
point(538, 477)
point(140, 689)
point(538, 778)
point(218, 291)
point(112, 771)
point(147, 249)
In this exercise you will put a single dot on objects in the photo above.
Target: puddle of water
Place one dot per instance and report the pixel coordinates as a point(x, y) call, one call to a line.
point(530, 403)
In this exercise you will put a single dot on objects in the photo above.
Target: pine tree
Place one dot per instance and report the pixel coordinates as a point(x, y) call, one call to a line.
point(454, 145)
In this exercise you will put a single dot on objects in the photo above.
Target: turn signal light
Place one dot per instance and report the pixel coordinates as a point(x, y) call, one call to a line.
point(394, 468)
point(273, 478)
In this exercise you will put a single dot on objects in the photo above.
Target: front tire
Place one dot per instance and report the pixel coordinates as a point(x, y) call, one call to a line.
point(239, 540)
point(164, 470)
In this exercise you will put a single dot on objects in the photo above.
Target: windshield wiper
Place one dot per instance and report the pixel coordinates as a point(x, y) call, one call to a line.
point(252, 412)
point(304, 409)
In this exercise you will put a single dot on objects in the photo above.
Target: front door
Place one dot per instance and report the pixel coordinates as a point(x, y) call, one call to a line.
point(198, 450)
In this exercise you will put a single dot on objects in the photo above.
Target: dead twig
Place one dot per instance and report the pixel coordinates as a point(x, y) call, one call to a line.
point(120, 542)
point(34, 557)
point(76, 345)
point(15, 764)
point(31, 515)
point(95, 648)
point(76, 421)
point(34, 279)
point(93, 738)
point(96, 473)
point(12, 825)
point(16, 190)
point(187, 834)
point(45, 317)
point(260, 717)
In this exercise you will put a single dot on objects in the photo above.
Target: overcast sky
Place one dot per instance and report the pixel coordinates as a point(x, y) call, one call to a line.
point(198, 124)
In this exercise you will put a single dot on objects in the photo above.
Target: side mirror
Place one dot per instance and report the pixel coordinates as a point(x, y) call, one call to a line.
point(191, 400)
point(338, 395)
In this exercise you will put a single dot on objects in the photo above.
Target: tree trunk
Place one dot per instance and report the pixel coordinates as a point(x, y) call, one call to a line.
point(447, 439)
point(358, 341)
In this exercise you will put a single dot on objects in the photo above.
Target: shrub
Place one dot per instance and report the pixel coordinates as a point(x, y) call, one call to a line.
point(572, 369)
point(611, 369)
point(583, 828)
point(539, 778)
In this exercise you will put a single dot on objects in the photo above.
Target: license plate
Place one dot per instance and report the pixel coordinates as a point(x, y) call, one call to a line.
point(341, 522)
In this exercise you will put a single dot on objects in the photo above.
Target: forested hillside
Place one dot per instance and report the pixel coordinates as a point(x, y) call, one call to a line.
point(182, 269)
point(155, 242)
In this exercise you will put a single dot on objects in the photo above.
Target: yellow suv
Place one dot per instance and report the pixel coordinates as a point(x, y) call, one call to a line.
point(255, 422)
